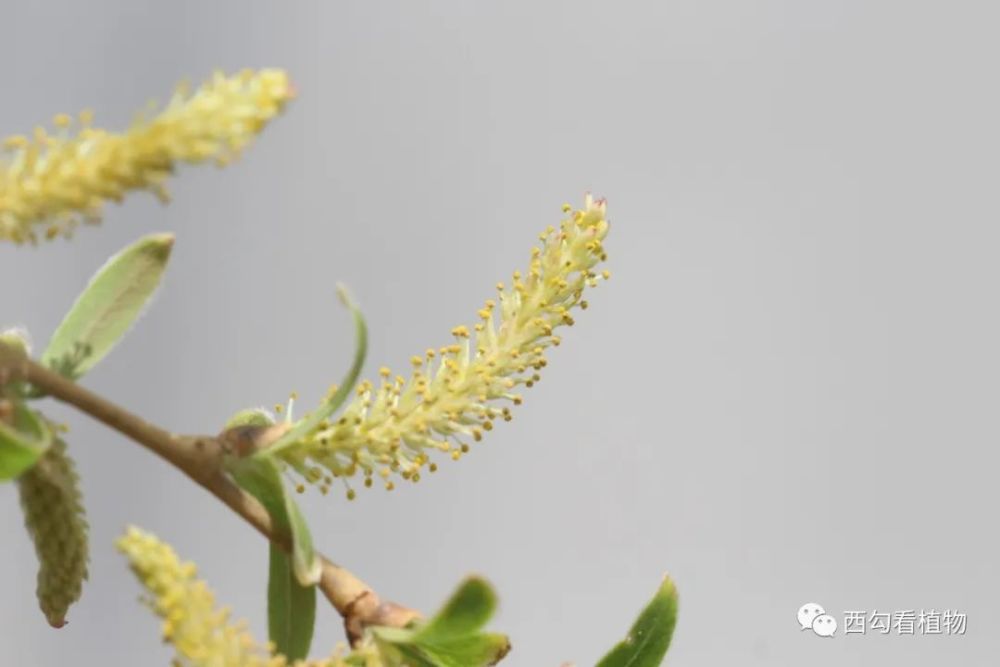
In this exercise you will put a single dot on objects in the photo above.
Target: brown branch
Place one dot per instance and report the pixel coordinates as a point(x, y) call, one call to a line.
point(200, 457)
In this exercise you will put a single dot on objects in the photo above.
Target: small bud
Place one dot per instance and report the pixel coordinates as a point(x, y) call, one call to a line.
point(18, 339)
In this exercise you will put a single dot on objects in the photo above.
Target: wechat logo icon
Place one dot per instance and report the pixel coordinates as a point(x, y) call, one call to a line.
point(813, 617)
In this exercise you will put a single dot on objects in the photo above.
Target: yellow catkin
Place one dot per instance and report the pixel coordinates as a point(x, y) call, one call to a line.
point(202, 633)
point(54, 515)
point(52, 181)
point(396, 424)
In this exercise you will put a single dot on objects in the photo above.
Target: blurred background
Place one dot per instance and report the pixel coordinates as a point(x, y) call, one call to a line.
point(786, 394)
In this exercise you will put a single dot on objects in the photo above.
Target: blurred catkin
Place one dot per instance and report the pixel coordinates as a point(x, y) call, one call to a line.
point(54, 516)
point(50, 182)
point(201, 632)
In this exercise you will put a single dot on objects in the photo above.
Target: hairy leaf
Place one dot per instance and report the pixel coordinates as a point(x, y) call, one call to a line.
point(108, 306)
point(649, 637)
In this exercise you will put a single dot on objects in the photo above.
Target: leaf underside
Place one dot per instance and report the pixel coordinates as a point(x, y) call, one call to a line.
point(110, 304)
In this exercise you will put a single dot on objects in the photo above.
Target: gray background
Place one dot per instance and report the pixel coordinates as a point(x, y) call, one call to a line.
point(787, 392)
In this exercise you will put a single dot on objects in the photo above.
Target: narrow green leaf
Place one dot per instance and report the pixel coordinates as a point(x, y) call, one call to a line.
point(22, 441)
point(313, 420)
point(304, 560)
point(649, 638)
point(466, 611)
point(261, 477)
point(108, 306)
point(291, 608)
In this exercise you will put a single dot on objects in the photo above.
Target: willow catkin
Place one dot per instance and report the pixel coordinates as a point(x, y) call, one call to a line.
point(51, 181)
point(54, 516)
point(202, 632)
point(456, 393)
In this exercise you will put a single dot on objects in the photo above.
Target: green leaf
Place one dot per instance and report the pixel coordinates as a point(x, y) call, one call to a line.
point(22, 441)
point(452, 637)
point(647, 641)
point(108, 306)
point(479, 649)
point(261, 477)
point(476, 650)
point(311, 422)
point(291, 608)
point(291, 593)
point(466, 611)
